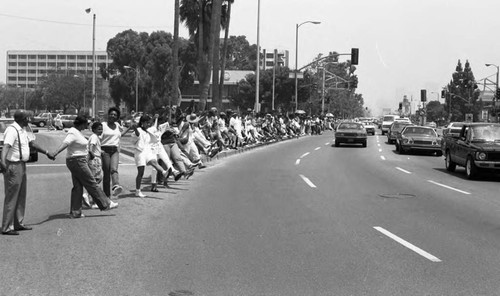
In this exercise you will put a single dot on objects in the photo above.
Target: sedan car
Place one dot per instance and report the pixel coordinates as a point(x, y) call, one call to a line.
point(395, 129)
point(418, 138)
point(350, 133)
point(369, 127)
point(4, 123)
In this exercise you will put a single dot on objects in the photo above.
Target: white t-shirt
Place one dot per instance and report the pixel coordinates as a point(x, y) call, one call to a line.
point(11, 138)
point(111, 137)
point(77, 143)
point(94, 145)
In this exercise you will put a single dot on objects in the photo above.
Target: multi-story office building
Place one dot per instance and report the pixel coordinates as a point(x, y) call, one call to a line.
point(25, 68)
point(274, 57)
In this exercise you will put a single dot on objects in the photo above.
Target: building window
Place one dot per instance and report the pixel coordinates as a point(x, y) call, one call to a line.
point(32, 56)
point(89, 65)
point(42, 57)
point(71, 57)
point(61, 57)
point(22, 64)
point(31, 64)
point(81, 57)
point(12, 64)
point(12, 71)
point(43, 64)
point(31, 78)
point(12, 78)
point(21, 78)
point(270, 55)
point(12, 56)
point(42, 71)
point(81, 64)
point(269, 64)
point(52, 65)
point(22, 56)
point(32, 71)
point(71, 64)
point(61, 65)
point(51, 57)
point(22, 71)
point(102, 57)
point(89, 57)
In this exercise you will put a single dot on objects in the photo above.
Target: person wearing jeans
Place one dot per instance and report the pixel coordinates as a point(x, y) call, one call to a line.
point(77, 162)
point(112, 132)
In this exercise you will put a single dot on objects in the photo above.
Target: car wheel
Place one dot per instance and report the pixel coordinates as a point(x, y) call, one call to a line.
point(364, 144)
point(337, 143)
point(41, 124)
point(439, 153)
point(401, 150)
point(470, 169)
point(450, 165)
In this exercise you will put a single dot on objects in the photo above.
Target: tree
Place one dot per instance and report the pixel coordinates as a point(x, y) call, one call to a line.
point(435, 112)
point(225, 25)
point(240, 55)
point(62, 91)
point(462, 95)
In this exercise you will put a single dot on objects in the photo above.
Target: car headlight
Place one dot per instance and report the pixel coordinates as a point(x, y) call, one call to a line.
point(434, 143)
point(339, 134)
point(405, 141)
point(481, 156)
point(410, 141)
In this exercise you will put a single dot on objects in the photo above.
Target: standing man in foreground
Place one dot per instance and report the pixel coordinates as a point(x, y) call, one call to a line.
point(15, 154)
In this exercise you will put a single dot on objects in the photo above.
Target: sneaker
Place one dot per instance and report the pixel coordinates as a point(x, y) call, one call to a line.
point(72, 216)
point(117, 189)
point(113, 205)
point(201, 165)
point(138, 193)
point(178, 175)
point(86, 200)
point(94, 206)
point(189, 173)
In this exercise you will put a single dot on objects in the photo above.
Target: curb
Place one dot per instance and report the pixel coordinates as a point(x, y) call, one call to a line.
point(223, 154)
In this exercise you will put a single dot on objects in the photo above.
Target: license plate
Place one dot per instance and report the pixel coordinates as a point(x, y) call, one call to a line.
point(350, 140)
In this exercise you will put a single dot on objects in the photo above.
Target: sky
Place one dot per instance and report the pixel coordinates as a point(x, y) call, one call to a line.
point(404, 45)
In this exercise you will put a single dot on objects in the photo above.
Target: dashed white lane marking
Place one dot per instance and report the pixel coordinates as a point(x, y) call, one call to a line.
point(378, 144)
point(308, 182)
point(407, 244)
point(449, 187)
point(304, 155)
point(297, 162)
point(380, 150)
point(326, 144)
point(382, 157)
point(317, 148)
point(404, 171)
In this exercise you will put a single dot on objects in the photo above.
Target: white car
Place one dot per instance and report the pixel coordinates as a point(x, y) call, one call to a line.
point(386, 122)
point(369, 127)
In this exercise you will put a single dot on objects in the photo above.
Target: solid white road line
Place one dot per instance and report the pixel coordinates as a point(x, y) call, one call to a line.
point(308, 182)
point(317, 148)
point(326, 144)
point(297, 162)
point(382, 157)
point(404, 171)
point(449, 187)
point(407, 244)
point(304, 155)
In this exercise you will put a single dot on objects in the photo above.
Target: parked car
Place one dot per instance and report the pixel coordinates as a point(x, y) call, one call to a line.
point(395, 130)
point(43, 119)
point(350, 133)
point(431, 124)
point(4, 123)
point(476, 147)
point(67, 120)
point(418, 138)
point(369, 127)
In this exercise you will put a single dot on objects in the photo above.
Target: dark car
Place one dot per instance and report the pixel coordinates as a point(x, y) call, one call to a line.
point(350, 133)
point(395, 129)
point(418, 138)
point(4, 123)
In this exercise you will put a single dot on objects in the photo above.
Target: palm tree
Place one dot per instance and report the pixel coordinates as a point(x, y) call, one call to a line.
point(225, 25)
point(175, 58)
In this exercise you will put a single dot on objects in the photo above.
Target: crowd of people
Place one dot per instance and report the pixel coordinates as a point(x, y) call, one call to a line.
point(171, 142)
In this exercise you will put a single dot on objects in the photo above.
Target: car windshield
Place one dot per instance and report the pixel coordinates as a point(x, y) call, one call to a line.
point(351, 126)
point(388, 118)
point(487, 133)
point(419, 131)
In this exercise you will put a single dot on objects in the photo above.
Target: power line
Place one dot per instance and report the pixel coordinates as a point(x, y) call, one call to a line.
point(74, 24)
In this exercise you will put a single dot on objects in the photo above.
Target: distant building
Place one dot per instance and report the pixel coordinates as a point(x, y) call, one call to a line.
point(280, 58)
point(26, 68)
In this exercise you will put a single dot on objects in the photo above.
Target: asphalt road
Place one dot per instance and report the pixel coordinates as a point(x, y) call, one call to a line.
point(298, 217)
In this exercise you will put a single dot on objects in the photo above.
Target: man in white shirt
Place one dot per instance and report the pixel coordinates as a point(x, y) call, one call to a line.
point(15, 154)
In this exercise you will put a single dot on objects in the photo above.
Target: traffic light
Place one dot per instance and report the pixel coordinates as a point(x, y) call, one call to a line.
point(443, 94)
point(423, 95)
point(353, 81)
point(354, 56)
point(400, 106)
point(498, 94)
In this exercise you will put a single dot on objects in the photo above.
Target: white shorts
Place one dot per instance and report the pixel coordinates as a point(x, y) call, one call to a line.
point(142, 158)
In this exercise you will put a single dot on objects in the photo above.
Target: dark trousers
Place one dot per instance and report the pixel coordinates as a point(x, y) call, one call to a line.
point(82, 178)
point(15, 196)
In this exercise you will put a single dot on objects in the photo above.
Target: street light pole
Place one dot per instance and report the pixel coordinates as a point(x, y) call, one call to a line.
point(297, 58)
point(88, 10)
point(136, 86)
